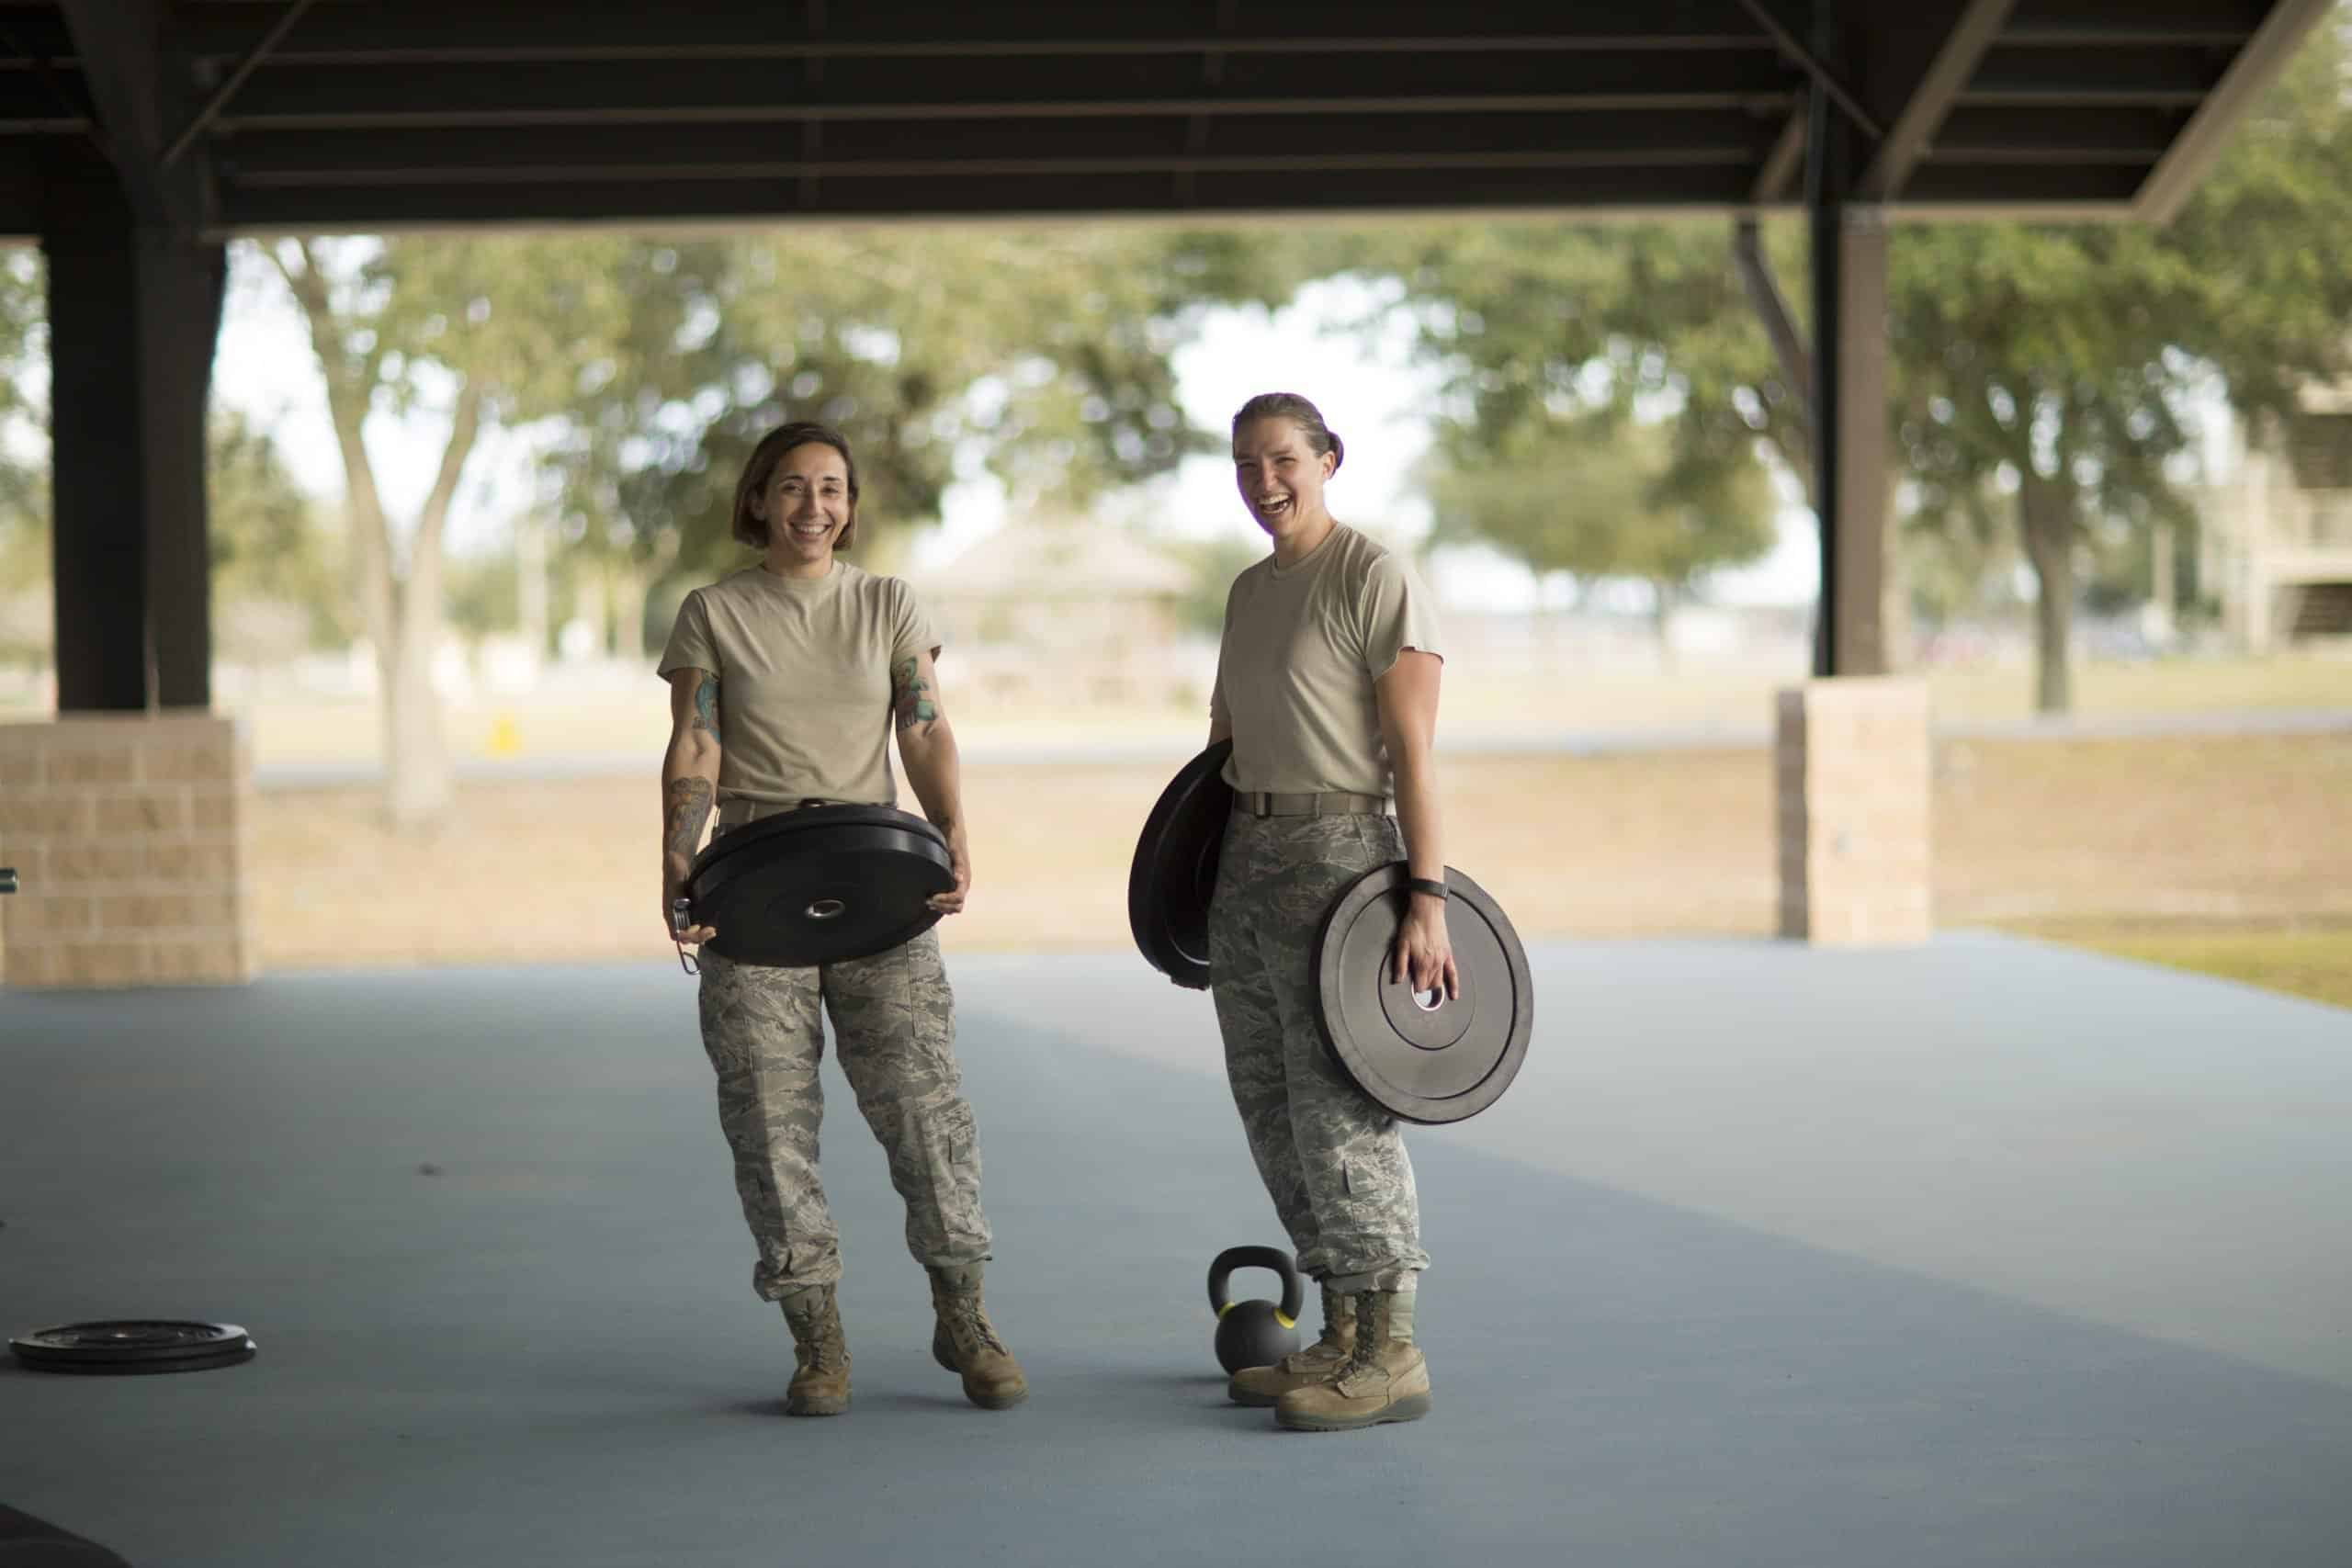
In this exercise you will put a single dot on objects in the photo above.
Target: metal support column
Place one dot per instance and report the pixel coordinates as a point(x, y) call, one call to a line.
point(1848, 245)
point(134, 311)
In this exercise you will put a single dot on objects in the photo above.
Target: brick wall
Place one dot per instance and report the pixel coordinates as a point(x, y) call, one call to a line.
point(1853, 770)
point(127, 833)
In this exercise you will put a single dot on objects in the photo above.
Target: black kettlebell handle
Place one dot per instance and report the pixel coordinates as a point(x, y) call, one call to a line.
point(1232, 1257)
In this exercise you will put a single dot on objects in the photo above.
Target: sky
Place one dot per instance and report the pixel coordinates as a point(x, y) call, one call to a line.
point(1372, 394)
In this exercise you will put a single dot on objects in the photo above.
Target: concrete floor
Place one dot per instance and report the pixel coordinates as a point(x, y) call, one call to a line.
point(1981, 1253)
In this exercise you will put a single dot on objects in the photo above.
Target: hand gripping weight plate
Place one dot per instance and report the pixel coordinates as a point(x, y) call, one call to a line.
point(1423, 1063)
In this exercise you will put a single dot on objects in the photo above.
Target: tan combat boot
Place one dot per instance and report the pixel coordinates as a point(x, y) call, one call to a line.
point(1261, 1386)
point(820, 1383)
point(966, 1342)
point(1385, 1378)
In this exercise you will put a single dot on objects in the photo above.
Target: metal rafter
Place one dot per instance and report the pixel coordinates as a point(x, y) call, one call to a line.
point(2079, 107)
point(1972, 33)
point(1824, 79)
point(234, 80)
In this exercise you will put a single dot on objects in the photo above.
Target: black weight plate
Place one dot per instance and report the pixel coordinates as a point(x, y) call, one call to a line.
point(228, 1356)
point(1427, 1065)
point(807, 818)
point(133, 1345)
point(830, 882)
point(1174, 875)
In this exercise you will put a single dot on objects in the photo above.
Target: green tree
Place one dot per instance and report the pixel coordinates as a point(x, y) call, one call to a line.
point(25, 613)
point(477, 330)
point(1045, 353)
point(267, 543)
point(2037, 372)
point(1595, 493)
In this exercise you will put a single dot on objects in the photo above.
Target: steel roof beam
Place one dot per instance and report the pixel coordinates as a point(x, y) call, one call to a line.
point(656, 91)
point(2100, 25)
point(456, 32)
point(1163, 142)
point(1966, 38)
point(356, 210)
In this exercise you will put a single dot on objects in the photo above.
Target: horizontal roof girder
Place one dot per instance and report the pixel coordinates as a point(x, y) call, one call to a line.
point(655, 91)
point(1164, 143)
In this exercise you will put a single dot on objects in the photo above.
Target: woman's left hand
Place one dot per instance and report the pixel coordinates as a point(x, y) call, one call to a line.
point(960, 862)
point(1424, 952)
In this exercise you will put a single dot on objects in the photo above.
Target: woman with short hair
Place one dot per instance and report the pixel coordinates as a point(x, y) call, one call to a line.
point(786, 682)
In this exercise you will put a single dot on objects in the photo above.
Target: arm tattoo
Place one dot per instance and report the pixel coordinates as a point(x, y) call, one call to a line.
point(913, 707)
point(688, 809)
point(706, 707)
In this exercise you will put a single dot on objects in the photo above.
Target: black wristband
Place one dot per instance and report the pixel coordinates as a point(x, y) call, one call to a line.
point(1424, 884)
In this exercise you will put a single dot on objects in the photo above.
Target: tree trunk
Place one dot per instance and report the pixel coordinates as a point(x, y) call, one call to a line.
point(418, 782)
point(403, 616)
point(2046, 519)
point(1662, 603)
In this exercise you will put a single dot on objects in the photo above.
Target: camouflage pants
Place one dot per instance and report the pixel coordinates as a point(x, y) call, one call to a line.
point(894, 1021)
point(1333, 1162)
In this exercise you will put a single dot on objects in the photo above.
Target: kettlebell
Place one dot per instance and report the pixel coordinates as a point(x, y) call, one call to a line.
point(1254, 1333)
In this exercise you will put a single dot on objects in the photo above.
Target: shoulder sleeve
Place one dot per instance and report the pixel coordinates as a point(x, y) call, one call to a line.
point(1397, 613)
point(911, 629)
point(691, 646)
point(1221, 711)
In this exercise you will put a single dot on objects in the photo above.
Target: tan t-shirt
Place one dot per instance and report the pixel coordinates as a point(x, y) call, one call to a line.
point(1303, 645)
point(803, 678)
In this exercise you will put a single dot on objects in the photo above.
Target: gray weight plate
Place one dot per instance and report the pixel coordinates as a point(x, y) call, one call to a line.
point(1423, 1063)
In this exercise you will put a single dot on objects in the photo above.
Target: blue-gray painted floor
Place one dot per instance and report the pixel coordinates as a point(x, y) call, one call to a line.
point(1979, 1253)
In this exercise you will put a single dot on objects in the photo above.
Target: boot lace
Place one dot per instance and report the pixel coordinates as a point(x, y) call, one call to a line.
point(819, 1342)
point(1370, 1329)
point(968, 1323)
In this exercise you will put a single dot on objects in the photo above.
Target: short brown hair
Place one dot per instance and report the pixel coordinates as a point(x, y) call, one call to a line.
point(1320, 438)
point(761, 467)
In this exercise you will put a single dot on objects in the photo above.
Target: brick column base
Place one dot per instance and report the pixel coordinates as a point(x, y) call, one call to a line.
point(127, 833)
point(1854, 788)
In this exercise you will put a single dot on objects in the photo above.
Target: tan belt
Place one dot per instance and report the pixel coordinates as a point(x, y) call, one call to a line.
point(1326, 803)
point(736, 809)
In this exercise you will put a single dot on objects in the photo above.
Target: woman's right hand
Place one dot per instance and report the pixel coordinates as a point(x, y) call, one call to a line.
point(673, 888)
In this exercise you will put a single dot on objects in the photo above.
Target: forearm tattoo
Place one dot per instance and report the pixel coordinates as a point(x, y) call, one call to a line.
point(688, 807)
point(912, 701)
point(706, 707)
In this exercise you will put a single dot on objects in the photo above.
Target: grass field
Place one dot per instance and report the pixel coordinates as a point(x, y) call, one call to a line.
point(1497, 703)
point(2311, 959)
point(2049, 837)
point(2229, 854)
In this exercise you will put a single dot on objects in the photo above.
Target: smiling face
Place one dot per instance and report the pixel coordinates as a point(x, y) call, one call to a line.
point(806, 504)
point(1280, 476)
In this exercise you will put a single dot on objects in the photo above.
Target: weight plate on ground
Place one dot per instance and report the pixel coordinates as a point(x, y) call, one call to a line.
point(819, 885)
point(134, 1345)
point(1174, 875)
point(1423, 1063)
